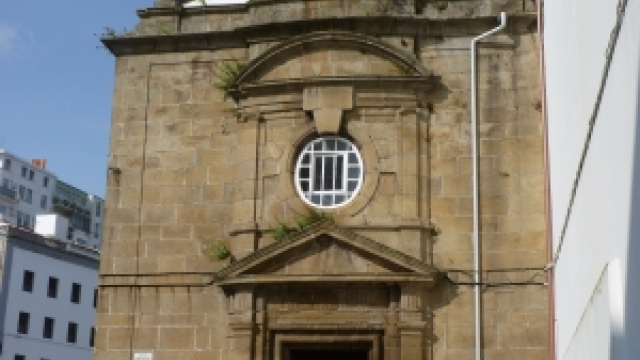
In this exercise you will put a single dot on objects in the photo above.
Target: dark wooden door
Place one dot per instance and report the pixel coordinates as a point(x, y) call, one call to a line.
point(327, 354)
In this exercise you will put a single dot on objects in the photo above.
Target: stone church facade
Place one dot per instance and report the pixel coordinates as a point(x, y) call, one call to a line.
point(326, 145)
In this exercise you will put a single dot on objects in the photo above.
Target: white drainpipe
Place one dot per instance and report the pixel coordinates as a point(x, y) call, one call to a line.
point(476, 220)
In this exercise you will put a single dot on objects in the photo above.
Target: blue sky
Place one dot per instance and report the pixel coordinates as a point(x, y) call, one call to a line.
point(56, 83)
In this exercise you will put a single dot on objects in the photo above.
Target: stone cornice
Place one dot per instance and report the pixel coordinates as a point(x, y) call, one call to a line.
point(329, 279)
point(409, 83)
point(398, 25)
point(186, 279)
point(396, 226)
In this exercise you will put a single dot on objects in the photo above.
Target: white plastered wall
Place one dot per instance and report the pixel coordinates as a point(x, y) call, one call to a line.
point(600, 227)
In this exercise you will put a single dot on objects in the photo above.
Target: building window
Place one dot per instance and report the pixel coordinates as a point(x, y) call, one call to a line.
point(45, 181)
point(329, 172)
point(96, 230)
point(7, 164)
point(31, 175)
point(27, 281)
point(72, 332)
point(29, 197)
point(76, 289)
point(47, 328)
point(43, 202)
point(19, 217)
point(22, 192)
point(23, 322)
point(98, 208)
point(19, 357)
point(52, 288)
point(24, 172)
point(92, 336)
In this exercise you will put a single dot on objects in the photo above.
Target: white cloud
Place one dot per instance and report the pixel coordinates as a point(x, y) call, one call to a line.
point(7, 36)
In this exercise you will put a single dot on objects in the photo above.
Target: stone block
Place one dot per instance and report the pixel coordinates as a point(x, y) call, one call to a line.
point(125, 249)
point(436, 187)
point(145, 338)
point(450, 242)
point(127, 215)
point(192, 214)
point(242, 245)
point(171, 263)
point(379, 208)
point(176, 338)
point(327, 97)
point(220, 173)
point(158, 214)
point(179, 195)
point(444, 166)
point(112, 354)
point(494, 205)
point(522, 336)
point(409, 208)
point(455, 186)
point(460, 337)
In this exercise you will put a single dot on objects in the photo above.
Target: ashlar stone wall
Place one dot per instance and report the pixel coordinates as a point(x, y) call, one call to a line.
point(191, 164)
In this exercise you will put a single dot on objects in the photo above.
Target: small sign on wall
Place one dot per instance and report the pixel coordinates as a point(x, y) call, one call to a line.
point(143, 356)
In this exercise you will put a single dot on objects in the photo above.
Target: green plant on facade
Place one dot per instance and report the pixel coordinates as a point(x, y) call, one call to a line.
point(282, 229)
point(403, 70)
point(441, 5)
point(217, 250)
point(163, 30)
point(227, 74)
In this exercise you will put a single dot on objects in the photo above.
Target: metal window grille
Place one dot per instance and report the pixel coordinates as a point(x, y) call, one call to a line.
point(329, 172)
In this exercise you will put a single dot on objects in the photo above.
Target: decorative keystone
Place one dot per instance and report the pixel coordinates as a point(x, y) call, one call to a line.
point(327, 120)
point(327, 104)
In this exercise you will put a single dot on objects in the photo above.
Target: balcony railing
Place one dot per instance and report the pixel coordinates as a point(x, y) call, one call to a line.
point(8, 195)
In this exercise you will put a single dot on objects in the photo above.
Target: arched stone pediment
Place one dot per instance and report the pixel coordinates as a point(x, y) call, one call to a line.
point(326, 253)
point(329, 54)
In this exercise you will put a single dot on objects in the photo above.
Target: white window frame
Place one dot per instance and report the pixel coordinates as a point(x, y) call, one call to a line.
point(329, 172)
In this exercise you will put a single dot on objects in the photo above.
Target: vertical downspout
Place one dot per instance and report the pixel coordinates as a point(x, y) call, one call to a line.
point(547, 184)
point(476, 220)
point(178, 10)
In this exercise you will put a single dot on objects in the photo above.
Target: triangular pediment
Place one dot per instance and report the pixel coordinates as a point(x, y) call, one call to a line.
point(326, 253)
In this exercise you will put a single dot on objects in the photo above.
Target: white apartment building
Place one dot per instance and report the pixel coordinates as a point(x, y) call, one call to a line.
point(27, 189)
point(48, 295)
point(592, 58)
point(84, 212)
